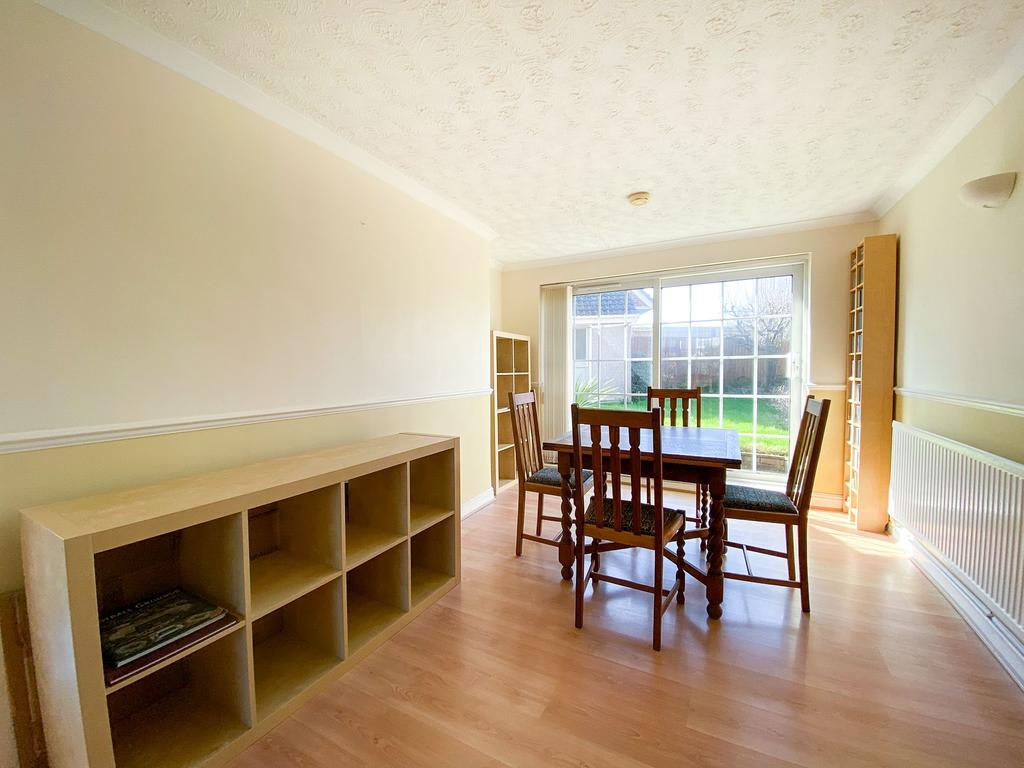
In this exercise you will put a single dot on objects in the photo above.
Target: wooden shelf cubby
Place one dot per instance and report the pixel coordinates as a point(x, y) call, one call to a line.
point(376, 513)
point(504, 354)
point(432, 560)
point(294, 547)
point(297, 644)
point(185, 712)
point(504, 422)
point(431, 492)
point(206, 559)
point(521, 354)
point(506, 469)
point(503, 386)
point(321, 557)
point(377, 595)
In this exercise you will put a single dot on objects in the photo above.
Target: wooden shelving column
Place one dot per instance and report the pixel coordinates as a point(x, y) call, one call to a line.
point(322, 557)
point(510, 372)
point(871, 360)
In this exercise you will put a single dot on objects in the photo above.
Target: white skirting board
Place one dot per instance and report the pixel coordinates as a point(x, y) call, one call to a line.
point(1007, 649)
point(474, 504)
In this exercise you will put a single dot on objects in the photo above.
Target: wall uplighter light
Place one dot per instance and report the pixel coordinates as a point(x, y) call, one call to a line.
point(988, 191)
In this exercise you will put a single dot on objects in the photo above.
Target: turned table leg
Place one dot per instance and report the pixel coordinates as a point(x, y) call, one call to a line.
point(566, 550)
point(703, 493)
point(716, 543)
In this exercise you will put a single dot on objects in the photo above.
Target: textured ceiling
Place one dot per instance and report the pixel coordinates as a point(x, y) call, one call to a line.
point(539, 118)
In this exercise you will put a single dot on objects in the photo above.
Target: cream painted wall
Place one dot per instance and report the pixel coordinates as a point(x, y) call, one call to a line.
point(168, 253)
point(829, 249)
point(495, 292)
point(1000, 433)
point(962, 271)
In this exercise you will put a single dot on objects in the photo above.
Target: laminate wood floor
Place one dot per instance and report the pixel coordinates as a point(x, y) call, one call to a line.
point(883, 672)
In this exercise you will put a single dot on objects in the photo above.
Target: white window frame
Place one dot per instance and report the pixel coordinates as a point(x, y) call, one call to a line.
point(797, 265)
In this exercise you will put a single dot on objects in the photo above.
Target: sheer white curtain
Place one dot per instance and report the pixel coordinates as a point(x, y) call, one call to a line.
point(556, 359)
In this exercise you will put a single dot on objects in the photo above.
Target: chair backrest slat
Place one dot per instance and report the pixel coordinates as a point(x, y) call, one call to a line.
point(599, 489)
point(616, 466)
point(804, 464)
point(634, 473)
point(614, 444)
point(525, 433)
point(673, 400)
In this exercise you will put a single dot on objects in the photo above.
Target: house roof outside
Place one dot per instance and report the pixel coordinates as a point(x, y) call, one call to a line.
point(613, 303)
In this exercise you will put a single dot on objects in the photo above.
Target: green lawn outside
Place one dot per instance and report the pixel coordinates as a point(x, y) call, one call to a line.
point(738, 414)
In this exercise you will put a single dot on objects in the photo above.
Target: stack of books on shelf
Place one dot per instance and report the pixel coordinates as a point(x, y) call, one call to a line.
point(144, 634)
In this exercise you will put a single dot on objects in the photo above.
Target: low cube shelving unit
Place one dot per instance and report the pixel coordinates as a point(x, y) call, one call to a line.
point(320, 557)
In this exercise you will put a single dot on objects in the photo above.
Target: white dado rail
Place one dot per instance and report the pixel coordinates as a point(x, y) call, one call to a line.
point(995, 406)
point(59, 438)
point(963, 509)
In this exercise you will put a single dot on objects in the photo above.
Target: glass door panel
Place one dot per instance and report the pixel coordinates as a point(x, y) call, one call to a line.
point(736, 339)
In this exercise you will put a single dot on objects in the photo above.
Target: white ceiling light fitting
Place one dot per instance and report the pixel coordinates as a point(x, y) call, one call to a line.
point(988, 191)
point(639, 198)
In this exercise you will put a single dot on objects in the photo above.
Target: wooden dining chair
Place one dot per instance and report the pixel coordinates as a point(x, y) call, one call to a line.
point(676, 401)
point(617, 523)
point(788, 509)
point(531, 472)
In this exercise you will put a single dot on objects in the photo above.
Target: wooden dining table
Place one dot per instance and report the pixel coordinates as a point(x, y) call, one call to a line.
point(698, 455)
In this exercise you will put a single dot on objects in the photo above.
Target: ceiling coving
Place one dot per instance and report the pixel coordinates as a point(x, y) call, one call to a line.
point(536, 117)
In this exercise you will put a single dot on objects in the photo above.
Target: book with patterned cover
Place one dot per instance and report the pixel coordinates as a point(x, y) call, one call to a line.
point(151, 624)
point(114, 676)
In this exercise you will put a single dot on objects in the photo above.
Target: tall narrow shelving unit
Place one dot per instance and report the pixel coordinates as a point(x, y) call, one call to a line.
point(871, 360)
point(321, 558)
point(510, 372)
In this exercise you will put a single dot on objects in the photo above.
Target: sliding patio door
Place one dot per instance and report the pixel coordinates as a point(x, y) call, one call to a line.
point(737, 335)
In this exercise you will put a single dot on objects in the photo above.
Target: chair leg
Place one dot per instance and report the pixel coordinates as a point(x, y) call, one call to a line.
point(520, 517)
point(581, 577)
point(540, 512)
point(595, 558)
point(805, 592)
point(680, 573)
point(649, 491)
point(659, 565)
point(790, 559)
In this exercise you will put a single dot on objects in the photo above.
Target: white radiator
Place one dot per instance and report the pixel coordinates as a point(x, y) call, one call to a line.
point(965, 507)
